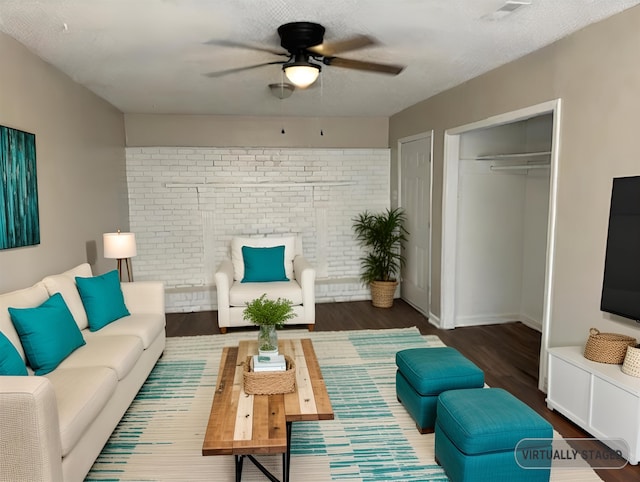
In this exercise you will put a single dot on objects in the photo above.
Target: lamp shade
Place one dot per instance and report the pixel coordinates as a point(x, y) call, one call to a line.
point(302, 74)
point(119, 245)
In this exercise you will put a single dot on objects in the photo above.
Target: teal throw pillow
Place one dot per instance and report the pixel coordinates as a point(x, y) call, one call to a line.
point(48, 333)
point(102, 299)
point(11, 362)
point(263, 264)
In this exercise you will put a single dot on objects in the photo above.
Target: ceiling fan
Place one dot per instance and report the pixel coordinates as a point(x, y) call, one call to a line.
point(307, 52)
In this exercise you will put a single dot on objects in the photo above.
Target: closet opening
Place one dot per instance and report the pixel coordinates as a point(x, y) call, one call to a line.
point(499, 204)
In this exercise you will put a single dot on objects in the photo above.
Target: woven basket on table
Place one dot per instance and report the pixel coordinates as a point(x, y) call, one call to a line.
point(607, 347)
point(631, 365)
point(269, 383)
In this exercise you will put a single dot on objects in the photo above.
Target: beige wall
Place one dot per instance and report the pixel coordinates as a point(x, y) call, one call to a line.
point(80, 166)
point(597, 74)
point(80, 140)
point(229, 131)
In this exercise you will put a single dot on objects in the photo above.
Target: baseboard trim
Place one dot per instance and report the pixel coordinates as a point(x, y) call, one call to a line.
point(495, 319)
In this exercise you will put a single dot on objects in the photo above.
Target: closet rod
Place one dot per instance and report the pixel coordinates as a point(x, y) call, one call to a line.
point(520, 167)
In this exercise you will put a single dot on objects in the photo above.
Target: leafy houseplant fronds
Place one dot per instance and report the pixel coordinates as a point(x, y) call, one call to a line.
point(383, 235)
point(263, 311)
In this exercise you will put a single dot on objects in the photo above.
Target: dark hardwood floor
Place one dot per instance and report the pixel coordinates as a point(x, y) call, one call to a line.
point(508, 353)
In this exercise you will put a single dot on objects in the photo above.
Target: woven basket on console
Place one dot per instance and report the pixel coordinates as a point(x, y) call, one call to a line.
point(269, 383)
point(607, 347)
point(631, 365)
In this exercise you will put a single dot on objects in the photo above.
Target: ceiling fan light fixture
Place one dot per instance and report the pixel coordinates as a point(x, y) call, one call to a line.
point(282, 90)
point(301, 73)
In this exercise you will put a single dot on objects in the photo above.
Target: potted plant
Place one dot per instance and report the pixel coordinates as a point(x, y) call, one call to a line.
point(383, 236)
point(269, 315)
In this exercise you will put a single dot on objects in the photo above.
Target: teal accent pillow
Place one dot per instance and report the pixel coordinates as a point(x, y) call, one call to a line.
point(11, 362)
point(102, 299)
point(263, 264)
point(48, 333)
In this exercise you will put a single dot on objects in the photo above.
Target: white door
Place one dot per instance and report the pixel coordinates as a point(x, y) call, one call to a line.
point(415, 198)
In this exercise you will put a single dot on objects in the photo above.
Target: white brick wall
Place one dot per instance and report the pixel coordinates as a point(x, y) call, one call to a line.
point(187, 203)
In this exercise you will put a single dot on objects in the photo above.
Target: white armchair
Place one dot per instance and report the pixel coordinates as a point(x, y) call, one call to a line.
point(235, 285)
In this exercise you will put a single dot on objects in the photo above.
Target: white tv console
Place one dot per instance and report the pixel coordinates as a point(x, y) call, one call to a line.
point(598, 397)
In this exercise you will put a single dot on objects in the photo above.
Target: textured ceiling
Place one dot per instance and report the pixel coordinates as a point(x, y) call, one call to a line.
point(149, 56)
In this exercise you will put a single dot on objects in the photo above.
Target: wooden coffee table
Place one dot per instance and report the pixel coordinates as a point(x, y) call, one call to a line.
point(246, 425)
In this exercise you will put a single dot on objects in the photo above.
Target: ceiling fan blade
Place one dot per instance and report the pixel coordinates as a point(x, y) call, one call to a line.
point(332, 48)
point(221, 73)
point(238, 45)
point(363, 65)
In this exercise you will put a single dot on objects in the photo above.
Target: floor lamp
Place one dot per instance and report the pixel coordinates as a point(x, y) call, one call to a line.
point(120, 246)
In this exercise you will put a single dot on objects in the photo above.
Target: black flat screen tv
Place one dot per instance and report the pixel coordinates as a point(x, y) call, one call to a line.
point(621, 283)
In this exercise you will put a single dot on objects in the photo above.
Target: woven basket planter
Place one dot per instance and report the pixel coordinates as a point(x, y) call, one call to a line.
point(607, 347)
point(382, 293)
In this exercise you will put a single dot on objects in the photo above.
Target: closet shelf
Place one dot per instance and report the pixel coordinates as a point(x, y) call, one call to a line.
point(506, 157)
point(520, 167)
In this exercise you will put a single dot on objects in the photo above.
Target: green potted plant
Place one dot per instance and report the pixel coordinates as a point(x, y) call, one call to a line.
point(269, 315)
point(383, 236)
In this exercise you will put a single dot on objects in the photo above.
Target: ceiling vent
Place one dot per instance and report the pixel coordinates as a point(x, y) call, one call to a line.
point(508, 8)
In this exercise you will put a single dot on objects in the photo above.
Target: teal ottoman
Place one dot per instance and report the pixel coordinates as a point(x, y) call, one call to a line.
point(477, 432)
point(424, 373)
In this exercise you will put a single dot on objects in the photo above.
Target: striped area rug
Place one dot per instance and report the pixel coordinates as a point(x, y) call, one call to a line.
point(371, 439)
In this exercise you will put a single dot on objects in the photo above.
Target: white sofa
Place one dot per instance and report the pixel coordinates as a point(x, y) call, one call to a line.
point(53, 427)
point(233, 295)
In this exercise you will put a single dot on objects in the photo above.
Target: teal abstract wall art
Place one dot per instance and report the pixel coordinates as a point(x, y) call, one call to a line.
point(19, 219)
